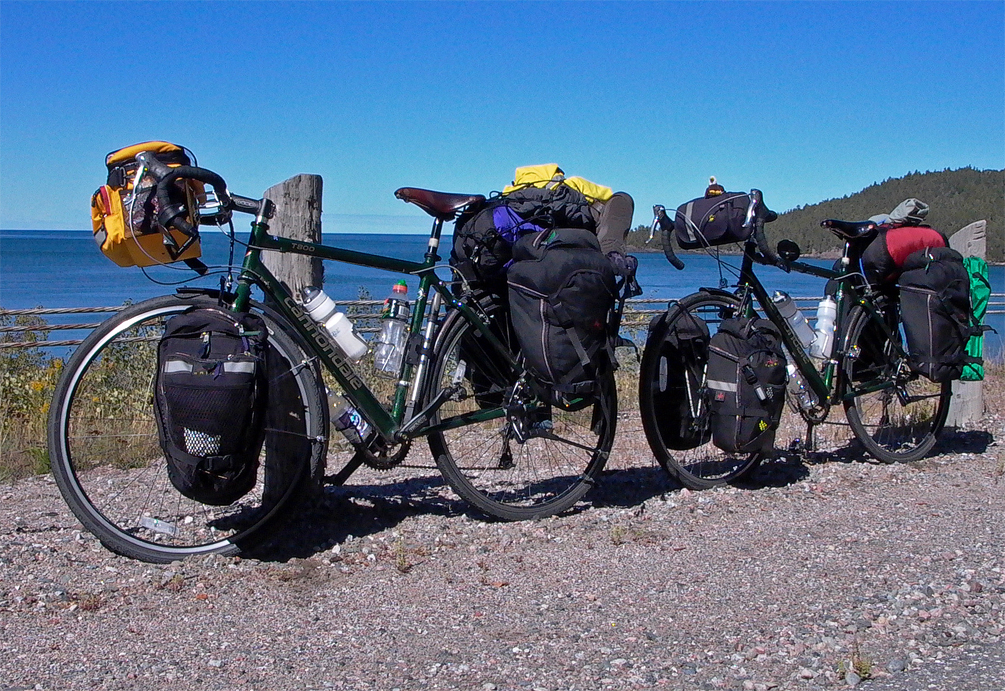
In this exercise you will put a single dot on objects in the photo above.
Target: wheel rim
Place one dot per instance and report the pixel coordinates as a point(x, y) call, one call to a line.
point(110, 458)
point(894, 413)
point(486, 462)
point(704, 465)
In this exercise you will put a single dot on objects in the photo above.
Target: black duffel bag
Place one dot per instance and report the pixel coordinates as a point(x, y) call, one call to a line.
point(936, 312)
point(210, 400)
point(483, 243)
point(681, 340)
point(746, 384)
point(712, 221)
point(484, 236)
point(562, 292)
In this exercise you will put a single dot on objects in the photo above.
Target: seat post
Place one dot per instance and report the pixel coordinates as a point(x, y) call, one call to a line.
point(432, 255)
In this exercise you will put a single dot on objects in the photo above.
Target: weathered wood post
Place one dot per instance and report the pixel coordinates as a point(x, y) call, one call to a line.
point(968, 396)
point(298, 217)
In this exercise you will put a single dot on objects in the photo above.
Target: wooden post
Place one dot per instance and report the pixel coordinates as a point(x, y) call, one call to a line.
point(298, 217)
point(968, 396)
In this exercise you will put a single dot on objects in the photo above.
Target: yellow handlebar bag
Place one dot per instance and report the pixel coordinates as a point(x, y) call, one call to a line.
point(124, 210)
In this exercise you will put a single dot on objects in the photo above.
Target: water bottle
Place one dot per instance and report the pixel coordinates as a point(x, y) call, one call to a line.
point(393, 332)
point(349, 422)
point(322, 310)
point(798, 389)
point(826, 314)
point(794, 317)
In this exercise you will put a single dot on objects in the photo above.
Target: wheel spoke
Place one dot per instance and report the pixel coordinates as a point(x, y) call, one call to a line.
point(895, 415)
point(517, 468)
point(666, 391)
point(107, 461)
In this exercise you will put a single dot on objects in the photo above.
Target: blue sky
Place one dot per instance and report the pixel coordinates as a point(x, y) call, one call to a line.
point(805, 100)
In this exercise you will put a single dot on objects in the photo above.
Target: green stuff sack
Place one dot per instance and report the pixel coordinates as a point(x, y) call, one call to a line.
point(980, 293)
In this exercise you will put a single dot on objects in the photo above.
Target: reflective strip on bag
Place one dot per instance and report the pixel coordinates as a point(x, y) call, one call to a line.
point(176, 366)
point(180, 366)
point(721, 385)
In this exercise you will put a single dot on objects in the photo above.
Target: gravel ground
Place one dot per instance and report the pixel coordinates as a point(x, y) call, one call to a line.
point(817, 573)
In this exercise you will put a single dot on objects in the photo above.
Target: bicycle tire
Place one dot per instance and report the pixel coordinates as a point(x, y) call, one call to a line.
point(107, 461)
point(703, 466)
point(891, 430)
point(485, 463)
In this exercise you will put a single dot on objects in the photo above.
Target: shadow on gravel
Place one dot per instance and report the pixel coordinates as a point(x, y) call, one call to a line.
point(969, 441)
point(631, 487)
point(361, 510)
point(356, 510)
point(775, 473)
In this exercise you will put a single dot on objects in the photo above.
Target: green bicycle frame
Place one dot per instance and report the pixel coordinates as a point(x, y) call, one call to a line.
point(821, 383)
point(387, 423)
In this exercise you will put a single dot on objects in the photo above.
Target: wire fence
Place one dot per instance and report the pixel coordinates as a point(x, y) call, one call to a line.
point(17, 332)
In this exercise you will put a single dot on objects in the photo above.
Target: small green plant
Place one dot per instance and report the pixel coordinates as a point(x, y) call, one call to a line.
point(401, 561)
point(89, 602)
point(619, 534)
point(859, 664)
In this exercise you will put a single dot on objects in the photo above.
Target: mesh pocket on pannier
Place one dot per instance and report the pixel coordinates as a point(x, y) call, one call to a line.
point(210, 400)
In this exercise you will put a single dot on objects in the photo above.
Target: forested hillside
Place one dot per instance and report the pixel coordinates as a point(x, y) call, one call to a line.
point(955, 199)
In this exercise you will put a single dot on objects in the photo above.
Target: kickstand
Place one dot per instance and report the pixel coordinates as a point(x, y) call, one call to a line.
point(339, 478)
point(809, 445)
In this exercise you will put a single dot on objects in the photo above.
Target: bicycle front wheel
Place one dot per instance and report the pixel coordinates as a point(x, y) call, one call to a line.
point(674, 407)
point(895, 413)
point(107, 460)
point(513, 456)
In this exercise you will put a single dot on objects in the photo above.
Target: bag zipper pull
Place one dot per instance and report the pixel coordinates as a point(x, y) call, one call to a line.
point(751, 377)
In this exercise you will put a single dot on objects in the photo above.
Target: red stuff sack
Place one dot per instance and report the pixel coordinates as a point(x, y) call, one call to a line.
point(883, 260)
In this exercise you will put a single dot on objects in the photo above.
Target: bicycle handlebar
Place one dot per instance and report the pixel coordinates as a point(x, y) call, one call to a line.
point(172, 215)
point(666, 237)
point(758, 214)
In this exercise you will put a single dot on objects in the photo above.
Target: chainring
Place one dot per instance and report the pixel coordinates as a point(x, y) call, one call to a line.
point(384, 457)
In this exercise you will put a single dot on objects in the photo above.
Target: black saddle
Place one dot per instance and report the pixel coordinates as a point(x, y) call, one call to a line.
point(851, 230)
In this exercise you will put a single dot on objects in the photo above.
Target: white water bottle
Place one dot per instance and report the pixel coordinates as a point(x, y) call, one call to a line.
point(794, 317)
point(322, 310)
point(824, 343)
point(393, 332)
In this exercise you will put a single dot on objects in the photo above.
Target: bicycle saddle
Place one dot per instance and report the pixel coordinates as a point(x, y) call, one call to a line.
point(441, 205)
point(851, 230)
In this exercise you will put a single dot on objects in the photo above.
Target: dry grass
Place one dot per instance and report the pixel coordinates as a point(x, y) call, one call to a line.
point(27, 379)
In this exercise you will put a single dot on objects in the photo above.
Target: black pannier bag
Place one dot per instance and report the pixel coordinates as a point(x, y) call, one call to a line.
point(746, 384)
point(562, 291)
point(936, 312)
point(484, 237)
point(210, 401)
point(711, 221)
point(677, 393)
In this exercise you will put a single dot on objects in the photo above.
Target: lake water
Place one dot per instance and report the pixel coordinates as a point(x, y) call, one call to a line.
point(65, 269)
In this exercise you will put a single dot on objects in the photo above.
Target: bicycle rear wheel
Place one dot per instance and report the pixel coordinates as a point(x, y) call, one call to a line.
point(895, 413)
point(515, 457)
point(108, 464)
point(703, 465)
